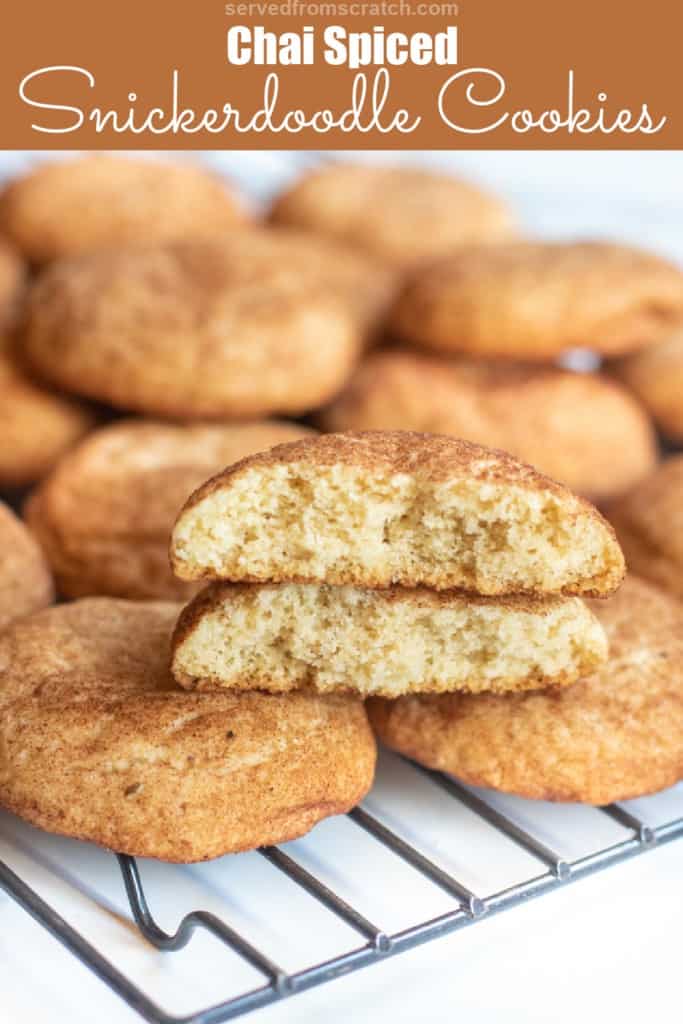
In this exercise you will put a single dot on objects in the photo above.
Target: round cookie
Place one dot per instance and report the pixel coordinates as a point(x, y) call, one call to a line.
point(581, 429)
point(614, 735)
point(656, 377)
point(36, 426)
point(382, 508)
point(400, 215)
point(387, 643)
point(99, 744)
point(67, 207)
point(25, 580)
point(649, 523)
point(11, 281)
point(105, 514)
point(535, 300)
point(259, 323)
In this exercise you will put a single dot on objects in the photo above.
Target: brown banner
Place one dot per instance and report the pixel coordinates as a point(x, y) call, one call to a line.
point(206, 74)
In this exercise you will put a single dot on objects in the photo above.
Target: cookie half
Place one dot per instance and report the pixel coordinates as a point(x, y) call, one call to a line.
point(258, 323)
point(104, 516)
point(25, 579)
point(400, 215)
point(386, 508)
point(649, 523)
point(98, 743)
point(380, 642)
point(66, 207)
point(656, 377)
point(535, 300)
point(582, 429)
point(614, 735)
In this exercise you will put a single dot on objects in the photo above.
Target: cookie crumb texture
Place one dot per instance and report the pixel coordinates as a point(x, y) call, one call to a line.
point(389, 508)
point(97, 742)
point(615, 735)
point(104, 516)
point(381, 642)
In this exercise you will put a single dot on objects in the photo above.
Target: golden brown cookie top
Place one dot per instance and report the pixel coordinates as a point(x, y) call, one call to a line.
point(133, 477)
point(36, 425)
point(650, 519)
point(65, 207)
point(400, 215)
point(12, 277)
point(656, 376)
point(25, 579)
point(614, 735)
point(259, 322)
point(434, 457)
point(104, 516)
point(99, 743)
point(534, 300)
point(383, 507)
point(582, 429)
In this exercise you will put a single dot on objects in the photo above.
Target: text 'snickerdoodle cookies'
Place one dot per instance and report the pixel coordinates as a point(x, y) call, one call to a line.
point(395, 508)
point(25, 580)
point(104, 516)
point(535, 300)
point(581, 429)
point(256, 324)
point(614, 735)
point(68, 207)
point(399, 215)
point(99, 743)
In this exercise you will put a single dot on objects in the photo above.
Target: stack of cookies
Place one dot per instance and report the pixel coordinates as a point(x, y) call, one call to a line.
point(443, 581)
point(387, 564)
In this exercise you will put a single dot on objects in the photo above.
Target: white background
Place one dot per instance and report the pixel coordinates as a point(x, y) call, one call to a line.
point(606, 948)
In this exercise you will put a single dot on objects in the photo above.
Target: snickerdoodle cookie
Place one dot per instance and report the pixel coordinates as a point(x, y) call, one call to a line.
point(259, 323)
point(66, 207)
point(104, 516)
point(386, 508)
point(656, 377)
point(25, 580)
point(12, 279)
point(36, 425)
point(614, 735)
point(381, 642)
point(581, 429)
point(399, 215)
point(100, 744)
point(649, 523)
point(534, 300)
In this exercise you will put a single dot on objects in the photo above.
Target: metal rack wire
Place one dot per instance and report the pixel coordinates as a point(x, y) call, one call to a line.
point(376, 943)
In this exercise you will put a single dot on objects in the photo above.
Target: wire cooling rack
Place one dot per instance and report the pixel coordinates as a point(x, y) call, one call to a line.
point(374, 942)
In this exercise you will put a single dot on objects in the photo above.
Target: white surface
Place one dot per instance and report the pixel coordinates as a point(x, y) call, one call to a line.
point(606, 948)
